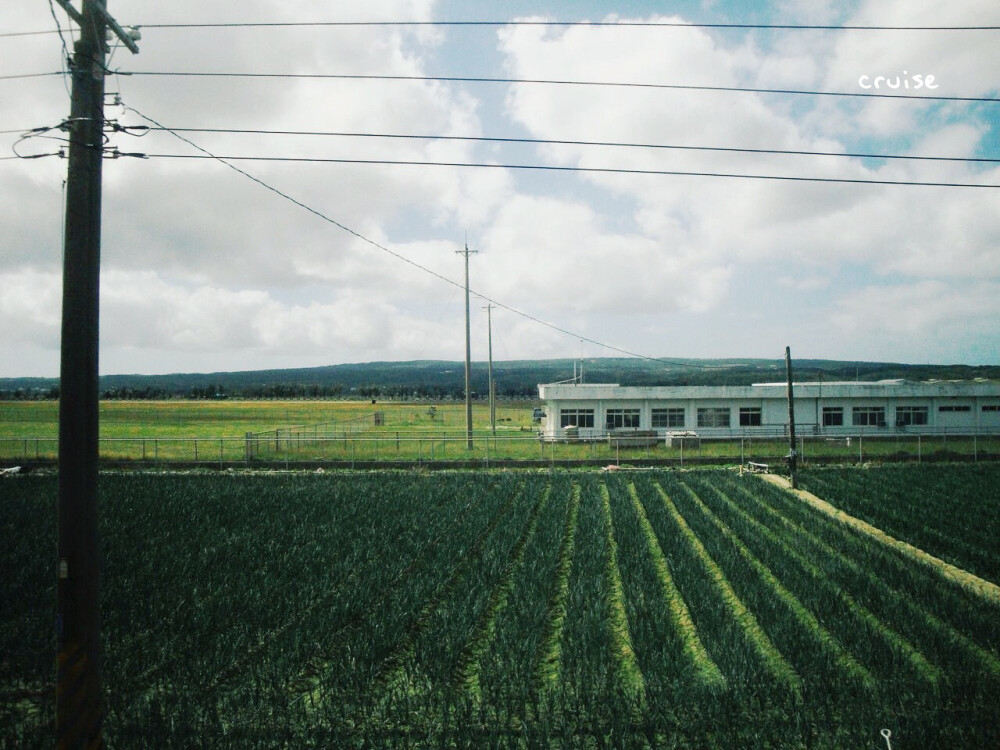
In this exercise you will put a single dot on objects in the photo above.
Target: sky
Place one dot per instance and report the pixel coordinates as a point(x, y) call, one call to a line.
point(296, 263)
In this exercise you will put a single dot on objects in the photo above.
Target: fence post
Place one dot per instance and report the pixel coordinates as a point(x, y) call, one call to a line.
point(196, 450)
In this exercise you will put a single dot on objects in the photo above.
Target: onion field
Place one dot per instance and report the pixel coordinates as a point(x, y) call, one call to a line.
point(512, 609)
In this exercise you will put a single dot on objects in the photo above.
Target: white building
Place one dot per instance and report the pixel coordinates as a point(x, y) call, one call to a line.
point(888, 407)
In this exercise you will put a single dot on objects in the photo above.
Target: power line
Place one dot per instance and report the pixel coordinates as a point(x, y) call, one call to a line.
point(566, 24)
point(8, 34)
point(555, 82)
point(30, 75)
point(564, 142)
point(555, 168)
point(596, 24)
point(319, 214)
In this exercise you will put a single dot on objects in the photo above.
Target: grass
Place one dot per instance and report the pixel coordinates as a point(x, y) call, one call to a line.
point(301, 430)
point(234, 418)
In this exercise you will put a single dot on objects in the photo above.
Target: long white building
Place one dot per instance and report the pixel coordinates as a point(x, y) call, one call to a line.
point(888, 407)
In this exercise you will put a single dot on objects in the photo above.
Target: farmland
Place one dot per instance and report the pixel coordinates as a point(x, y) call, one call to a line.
point(214, 433)
point(525, 609)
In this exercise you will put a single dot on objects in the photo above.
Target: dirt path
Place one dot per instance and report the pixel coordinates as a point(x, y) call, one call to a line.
point(968, 581)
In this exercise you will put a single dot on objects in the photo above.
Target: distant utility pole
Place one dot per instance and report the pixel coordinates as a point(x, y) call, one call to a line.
point(468, 352)
point(792, 455)
point(78, 680)
point(493, 396)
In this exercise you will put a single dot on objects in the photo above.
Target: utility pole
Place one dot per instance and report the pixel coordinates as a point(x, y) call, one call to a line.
point(493, 401)
point(78, 681)
point(792, 455)
point(468, 352)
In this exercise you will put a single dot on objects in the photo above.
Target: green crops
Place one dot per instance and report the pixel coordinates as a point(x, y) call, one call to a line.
point(515, 609)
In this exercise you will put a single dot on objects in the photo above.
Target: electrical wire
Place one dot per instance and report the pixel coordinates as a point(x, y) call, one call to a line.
point(563, 142)
point(554, 168)
point(9, 34)
point(542, 23)
point(59, 30)
point(596, 24)
point(319, 214)
point(39, 132)
point(30, 75)
point(555, 82)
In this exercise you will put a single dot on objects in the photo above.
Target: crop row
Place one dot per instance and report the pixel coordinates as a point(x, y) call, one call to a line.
point(951, 514)
point(500, 609)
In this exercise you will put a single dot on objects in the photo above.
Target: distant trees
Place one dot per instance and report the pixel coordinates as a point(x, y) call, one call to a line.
point(30, 394)
point(443, 381)
point(285, 390)
point(149, 393)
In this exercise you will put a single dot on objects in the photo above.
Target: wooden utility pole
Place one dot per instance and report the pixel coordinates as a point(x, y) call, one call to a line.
point(792, 454)
point(78, 680)
point(493, 396)
point(468, 353)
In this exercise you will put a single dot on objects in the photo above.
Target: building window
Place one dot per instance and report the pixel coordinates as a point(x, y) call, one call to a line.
point(868, 416)
point(619, 418)
point(750, 416)
point(912, 415)
point(991, 407)
point(955, 408)
point(713, 417)
point(668, 417)
point(833, 416)
point(576, 417)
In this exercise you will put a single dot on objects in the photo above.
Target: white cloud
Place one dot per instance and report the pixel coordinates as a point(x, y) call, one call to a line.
point(30, 305)
point(563, 258)
point(928, 320)
point(204, 268)
point(144, 311)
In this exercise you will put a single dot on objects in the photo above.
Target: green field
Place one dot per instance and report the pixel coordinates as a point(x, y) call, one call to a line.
point(214, 433)
point(234, 418)
point(510, 609)
point(951, 514)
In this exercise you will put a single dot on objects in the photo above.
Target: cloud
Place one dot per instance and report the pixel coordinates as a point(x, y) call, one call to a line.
point(30, 305)
point(567, 260)
point(929, 320)
point(144, 311)
point(203, 267)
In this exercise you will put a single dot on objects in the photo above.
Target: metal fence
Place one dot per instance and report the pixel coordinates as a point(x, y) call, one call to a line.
point(287, 446)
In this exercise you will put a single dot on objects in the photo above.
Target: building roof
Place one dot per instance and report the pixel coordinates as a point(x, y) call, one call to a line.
point(811, 389)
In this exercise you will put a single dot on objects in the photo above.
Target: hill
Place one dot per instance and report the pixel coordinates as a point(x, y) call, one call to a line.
point(442, 379)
